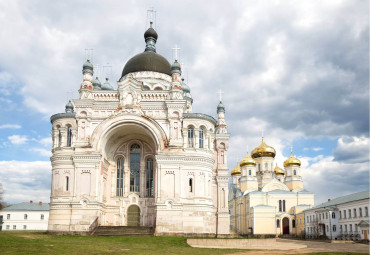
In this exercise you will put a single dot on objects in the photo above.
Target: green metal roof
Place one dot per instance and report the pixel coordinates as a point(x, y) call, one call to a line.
point(26, 206)
point(345, 199)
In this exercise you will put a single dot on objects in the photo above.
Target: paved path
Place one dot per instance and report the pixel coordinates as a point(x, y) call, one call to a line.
point(315, 246)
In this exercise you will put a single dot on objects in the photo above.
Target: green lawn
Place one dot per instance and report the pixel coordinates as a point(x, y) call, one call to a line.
point(24, 242)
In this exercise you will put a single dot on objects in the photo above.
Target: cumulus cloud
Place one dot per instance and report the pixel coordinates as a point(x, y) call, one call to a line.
point(18, 139)
point(328, 178)
point(352, 149)
point(24, 181)
point(10, 126)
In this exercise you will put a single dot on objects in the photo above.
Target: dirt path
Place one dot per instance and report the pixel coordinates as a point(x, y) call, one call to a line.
point(314, 246)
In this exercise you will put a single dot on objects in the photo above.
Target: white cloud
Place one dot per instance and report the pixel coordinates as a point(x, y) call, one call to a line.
point(10, 126)
point(18, 139)
point(317, 149)
point(23, 181)
point(46, 141)
point(352, 149)
point(42, 152)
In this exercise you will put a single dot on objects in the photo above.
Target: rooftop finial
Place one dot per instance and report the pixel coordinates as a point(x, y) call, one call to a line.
point(220, 94)
point(175, 51)
point(262, 134)
point(291, 149)
point(151, 15)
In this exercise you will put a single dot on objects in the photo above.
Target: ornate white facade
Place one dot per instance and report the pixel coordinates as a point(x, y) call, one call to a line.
point(137, 155)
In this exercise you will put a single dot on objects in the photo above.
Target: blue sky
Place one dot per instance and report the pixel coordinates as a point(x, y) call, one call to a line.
point(299, 71)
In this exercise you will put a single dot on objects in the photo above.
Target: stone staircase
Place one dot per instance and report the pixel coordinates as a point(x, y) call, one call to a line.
point(122, 231)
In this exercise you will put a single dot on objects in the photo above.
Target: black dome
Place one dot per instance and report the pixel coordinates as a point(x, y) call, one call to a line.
point(147, 61)
point(151, 33)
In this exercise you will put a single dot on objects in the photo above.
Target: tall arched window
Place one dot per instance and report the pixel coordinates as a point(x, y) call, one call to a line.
point(59, 138)
point(280, 206)
point(249, 172)
point(201, 138)
point(135, 168)
point(191, 137)
point(120, 164)
point(190, 185)
point(67, 183)
point(69, 136)
point(295, 172)
point(149, 178)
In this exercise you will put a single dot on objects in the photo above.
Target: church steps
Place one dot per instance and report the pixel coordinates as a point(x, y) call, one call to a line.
point(123, 231)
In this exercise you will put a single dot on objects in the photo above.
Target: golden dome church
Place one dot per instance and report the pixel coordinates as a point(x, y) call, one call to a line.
point(264, 198)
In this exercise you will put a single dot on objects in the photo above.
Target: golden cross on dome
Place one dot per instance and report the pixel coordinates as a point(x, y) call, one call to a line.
point(176, 52)
point(220, 94)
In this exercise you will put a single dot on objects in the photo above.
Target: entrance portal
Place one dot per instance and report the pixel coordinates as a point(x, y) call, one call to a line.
point(133, 215)
point(285, 226)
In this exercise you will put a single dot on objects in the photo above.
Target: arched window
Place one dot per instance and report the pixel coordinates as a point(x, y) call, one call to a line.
point(280, 206)
point(120, 164)
point(334, 228)
point(59, 138)
point(67, 183)
point(333, 215)
point(259, 167)
point(278, 223)
point(283, 205)
point(366, 211)
point(191, 185)
point(360, 211)
point(294, 172)
point(135, 168)
point(249, 172)
point(266, 167)
point(149, 178)
point(191, 137)
point(69, 136)
point(201, 138)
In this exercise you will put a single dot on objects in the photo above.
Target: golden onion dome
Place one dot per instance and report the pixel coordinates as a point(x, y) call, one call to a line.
point(278, 170)
point(292, 161)
point(247, 161)
point(236, 170)
point(263, 150)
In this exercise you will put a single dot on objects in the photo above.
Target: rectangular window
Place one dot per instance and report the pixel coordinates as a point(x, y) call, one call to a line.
point(190, 185)
point(349, 213)
point(360, 211)
point(24, 227)
point(283, 205)
point(14, 227)
point(366, 211)
point(340, 214)
point(7, 227)
point(8, 216)
point(25, 216)
point(344, 214)
point(354, 213)
point(42, 217)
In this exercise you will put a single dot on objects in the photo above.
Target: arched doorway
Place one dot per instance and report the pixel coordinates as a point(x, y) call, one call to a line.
point(285, 226)
point(133, 215)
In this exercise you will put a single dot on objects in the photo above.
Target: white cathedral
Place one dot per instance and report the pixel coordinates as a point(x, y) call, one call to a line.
point(138, 156)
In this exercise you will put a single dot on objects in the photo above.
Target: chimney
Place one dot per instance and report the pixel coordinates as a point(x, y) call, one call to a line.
point(40, 203)
point(329, 199)
point(31, 201)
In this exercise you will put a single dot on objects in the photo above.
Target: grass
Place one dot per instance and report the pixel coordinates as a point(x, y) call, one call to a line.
point(26, 242)
point(22, 242)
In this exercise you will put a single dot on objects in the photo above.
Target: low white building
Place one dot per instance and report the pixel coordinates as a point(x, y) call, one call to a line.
point(342, 218)
point(25, 216)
